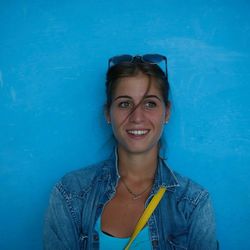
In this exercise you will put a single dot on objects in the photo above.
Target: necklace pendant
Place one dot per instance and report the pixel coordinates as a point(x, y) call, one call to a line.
point(136, 197)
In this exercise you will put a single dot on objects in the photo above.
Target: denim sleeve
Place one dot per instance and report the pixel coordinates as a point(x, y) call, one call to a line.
point(60, 230)
point(202, 234)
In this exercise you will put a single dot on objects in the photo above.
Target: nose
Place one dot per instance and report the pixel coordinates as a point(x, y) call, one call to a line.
point(137, 115)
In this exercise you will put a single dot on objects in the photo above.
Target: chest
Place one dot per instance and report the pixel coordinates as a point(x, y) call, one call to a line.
point(121, 214)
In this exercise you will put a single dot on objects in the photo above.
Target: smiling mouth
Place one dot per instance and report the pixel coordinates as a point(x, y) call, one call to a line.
point(138, 132)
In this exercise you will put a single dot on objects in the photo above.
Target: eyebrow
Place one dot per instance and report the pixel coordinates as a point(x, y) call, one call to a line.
point(123, 96)
point(145, 97)
point(152, 96)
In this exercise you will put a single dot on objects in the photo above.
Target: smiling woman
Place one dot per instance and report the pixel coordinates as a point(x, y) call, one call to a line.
point(102, 206)
point(137, 114)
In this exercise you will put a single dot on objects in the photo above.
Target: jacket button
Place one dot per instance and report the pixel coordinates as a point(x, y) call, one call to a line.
point(155, 243)
point(96, 237)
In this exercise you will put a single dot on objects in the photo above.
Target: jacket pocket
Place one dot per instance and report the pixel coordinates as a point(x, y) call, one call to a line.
point(178, 241)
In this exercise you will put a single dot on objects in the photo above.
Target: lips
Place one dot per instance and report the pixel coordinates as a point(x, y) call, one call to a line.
point(138, 133)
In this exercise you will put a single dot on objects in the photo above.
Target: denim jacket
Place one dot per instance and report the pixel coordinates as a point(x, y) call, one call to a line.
point(184, 218)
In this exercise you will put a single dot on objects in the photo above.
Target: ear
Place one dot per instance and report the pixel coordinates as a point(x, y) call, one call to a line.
point(168, 107)
point(107, 114)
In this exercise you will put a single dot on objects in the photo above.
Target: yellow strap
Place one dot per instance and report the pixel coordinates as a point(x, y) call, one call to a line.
point(146, 215)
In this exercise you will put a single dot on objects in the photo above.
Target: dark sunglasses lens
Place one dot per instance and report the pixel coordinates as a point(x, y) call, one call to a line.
point(153, 58)
point(121, 59)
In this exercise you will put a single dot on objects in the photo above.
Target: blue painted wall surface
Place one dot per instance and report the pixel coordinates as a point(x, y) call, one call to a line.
point(53, 58)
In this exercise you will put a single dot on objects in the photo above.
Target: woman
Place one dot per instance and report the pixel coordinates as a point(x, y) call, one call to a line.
point(98, 207)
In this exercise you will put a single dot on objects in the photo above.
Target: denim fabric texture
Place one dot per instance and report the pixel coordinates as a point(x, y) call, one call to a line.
point(184, 218)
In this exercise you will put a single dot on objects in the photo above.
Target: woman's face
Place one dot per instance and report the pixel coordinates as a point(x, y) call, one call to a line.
point(139, 131)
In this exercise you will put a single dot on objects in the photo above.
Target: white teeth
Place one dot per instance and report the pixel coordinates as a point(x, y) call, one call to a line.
point(138, 132)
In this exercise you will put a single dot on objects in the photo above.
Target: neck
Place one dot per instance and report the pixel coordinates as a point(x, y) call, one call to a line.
point(137, 166)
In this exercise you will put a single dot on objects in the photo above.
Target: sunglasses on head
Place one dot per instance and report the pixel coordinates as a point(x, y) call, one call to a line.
point(147, 58)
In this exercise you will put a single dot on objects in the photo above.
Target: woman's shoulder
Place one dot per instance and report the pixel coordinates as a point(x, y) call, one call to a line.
point(83, 178)
point(189, 190)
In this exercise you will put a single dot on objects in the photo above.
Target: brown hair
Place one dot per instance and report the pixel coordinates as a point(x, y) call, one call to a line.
point(127, 69)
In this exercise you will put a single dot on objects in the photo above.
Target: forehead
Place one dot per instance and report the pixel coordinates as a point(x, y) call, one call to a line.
point(137, 86)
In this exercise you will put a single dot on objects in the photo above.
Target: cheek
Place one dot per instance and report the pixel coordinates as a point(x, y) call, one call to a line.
point(157, 118)
point(117, 117)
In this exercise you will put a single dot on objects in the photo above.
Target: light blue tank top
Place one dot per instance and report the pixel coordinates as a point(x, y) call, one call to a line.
point(107, 242)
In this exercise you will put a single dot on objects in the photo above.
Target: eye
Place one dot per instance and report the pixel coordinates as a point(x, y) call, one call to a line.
point(125, 105)
point(150, 104)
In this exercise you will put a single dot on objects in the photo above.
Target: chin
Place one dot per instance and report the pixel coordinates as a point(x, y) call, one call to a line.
point(138, 149)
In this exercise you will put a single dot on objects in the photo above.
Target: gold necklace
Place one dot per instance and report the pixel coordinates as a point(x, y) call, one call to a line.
point(135, 195)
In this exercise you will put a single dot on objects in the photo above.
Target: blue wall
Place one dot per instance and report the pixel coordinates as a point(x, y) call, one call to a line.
point(53, 58)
